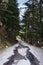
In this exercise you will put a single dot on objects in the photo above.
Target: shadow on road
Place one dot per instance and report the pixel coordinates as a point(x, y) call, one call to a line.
point(33, 60)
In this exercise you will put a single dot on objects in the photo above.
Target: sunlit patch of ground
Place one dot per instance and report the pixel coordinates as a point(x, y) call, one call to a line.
point(2, 46)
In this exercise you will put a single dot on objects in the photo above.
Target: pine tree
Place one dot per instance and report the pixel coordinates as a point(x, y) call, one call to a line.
point(10, 18)
point(13, 20)
point(31, 19)
point(41, 18)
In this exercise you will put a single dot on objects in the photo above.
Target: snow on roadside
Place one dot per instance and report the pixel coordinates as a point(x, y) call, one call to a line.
point(24, 62)
point(37, 52)
point(22, 51)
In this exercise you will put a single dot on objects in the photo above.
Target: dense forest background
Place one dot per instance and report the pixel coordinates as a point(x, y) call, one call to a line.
point(29, 29)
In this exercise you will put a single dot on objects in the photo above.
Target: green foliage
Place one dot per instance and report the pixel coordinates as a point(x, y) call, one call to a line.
point(9, 16)
point(32, 19)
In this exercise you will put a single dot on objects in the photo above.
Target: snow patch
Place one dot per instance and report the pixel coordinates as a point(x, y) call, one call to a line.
point(15, 60)
point(22, 51)
point(24, 62)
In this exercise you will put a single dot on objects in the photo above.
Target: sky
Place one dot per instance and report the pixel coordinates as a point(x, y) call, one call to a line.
point(21, 4)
